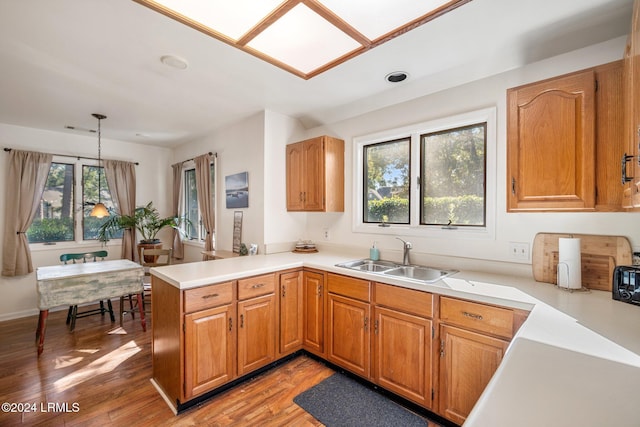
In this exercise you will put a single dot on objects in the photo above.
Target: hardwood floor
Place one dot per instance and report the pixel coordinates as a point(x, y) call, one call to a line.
point(99, 375)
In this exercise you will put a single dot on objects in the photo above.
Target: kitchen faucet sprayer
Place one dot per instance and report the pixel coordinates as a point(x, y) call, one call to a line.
point(405, 253)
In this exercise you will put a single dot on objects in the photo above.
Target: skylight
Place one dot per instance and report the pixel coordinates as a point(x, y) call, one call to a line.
point(304, 37)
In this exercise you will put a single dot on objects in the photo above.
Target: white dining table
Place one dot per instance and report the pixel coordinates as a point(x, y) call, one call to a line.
point(81, 283)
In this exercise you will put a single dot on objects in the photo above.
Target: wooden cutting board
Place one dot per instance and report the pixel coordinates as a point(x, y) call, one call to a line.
point(600, 256)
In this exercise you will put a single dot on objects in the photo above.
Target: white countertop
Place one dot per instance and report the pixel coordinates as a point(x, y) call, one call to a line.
point(574, 362)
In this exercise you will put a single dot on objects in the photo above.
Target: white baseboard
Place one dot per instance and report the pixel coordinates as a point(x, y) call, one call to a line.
point(18, 314)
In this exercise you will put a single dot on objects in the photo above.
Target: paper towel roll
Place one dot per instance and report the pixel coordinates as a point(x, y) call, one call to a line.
point(569, 274)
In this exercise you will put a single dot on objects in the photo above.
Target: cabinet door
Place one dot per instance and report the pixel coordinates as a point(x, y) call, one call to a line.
point(209, 349)
point(256, 333)
point(313, 288)
point(468, 360)
point(348, 330)
point(314, 175)
point(610, 135)
point(295, 177)
point(629, 163)
point(402, 354)
point(635, 99)
point(291, 312)
point(551, 144)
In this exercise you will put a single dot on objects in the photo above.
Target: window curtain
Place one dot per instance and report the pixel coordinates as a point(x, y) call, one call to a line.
point(121, 178)
point(203, 184)
point(178, 246)
point(26, 177)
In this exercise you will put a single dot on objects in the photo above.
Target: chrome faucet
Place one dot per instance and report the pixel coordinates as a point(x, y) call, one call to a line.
point(405, 254)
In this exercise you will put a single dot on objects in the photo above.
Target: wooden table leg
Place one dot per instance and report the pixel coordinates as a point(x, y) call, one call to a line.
point(143, 321)
point(42, 326)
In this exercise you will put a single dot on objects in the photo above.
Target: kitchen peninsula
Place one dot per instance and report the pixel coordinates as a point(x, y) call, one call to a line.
point(568, 363)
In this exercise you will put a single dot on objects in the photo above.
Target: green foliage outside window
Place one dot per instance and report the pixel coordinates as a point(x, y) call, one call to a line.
point(461, 210)
point(50, 230)
point(453, 176)
point(467, 210)
point(387, 181)
point(392, 210)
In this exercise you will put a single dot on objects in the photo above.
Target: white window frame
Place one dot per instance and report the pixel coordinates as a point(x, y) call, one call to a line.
point(414, 131)
point(77, 163)
point(189, 165)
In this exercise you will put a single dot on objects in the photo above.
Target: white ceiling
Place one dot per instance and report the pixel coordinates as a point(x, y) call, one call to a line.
point(61, 60)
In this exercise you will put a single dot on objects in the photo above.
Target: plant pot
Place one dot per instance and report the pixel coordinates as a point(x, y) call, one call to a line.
point(149, 258)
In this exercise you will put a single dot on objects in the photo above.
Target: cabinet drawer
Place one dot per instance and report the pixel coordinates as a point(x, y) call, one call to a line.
point(481, 317)
point(256, 286)
point(349, 287)
point(403, 299)
point(208, 296)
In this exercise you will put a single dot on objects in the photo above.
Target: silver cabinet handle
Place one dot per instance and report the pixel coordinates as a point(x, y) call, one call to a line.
point(625, 160)
point(210, 296)
point(472, 315)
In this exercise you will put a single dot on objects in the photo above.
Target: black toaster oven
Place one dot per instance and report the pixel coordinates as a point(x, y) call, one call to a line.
point(626, 284)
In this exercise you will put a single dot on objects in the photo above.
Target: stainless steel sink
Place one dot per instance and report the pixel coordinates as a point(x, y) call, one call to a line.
point(415, 272)
point(368, 265)
point(410, 272)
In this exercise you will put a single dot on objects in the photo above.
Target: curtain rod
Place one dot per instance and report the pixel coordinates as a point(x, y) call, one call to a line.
point(210, 153)
point(68, 155)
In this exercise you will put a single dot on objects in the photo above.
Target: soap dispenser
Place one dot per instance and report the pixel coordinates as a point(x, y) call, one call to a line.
point(374, 253)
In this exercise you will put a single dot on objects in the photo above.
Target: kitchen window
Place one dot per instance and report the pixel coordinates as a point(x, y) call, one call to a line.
point(453, 176)
point(386, 176)
point(435, 178)
point(59, 217)
point(195, 231)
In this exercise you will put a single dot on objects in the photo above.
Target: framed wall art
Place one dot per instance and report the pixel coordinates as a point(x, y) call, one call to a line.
point(237, 190)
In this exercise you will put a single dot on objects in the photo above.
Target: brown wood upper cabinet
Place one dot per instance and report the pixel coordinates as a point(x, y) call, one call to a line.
point(315, 175)
point(631, 169)
point(565, 141)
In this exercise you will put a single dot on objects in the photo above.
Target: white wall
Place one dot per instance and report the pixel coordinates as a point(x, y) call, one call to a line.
point(240, 148)
point(511, 227)
point(19, 293)
point(280, 227)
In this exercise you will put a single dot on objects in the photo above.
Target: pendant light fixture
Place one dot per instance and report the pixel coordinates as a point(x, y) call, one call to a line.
point(99, 210)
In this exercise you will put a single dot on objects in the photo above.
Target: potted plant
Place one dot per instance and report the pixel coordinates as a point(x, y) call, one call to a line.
point(146, 220)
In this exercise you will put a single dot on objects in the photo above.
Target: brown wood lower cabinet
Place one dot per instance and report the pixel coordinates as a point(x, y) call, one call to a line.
point(313, 307)
point(403, 335)
point(348, 323)
point(291, 312)
point(467, 363)
point(348, 330)
point(402, 354)
point(209, 349)
point(473, 339)
point(208, 336)
point(256, 333)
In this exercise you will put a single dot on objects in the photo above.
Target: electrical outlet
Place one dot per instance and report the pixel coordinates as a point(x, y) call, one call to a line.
point(325, 234)
point(519, 250)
